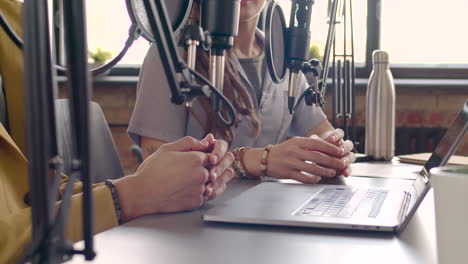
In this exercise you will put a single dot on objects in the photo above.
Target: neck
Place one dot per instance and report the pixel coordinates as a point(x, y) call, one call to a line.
point(245, 45)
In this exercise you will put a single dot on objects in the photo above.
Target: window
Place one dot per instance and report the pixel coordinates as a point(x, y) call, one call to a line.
point(425, 31)
point(108, 29)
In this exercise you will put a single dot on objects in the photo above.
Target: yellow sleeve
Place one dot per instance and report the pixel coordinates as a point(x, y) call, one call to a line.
point(15, 228)
point(15, 233)
point(12, 71)
point(104, 212)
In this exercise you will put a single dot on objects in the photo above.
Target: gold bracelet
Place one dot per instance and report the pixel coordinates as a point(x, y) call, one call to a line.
point(238, 165)
point(264, 160)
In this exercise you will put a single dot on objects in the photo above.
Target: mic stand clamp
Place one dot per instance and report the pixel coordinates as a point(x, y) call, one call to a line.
point(313, 69)
point(188, 90)
point(191, 37)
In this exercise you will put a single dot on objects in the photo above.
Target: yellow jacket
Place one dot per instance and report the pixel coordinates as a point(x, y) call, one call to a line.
point(15, 215)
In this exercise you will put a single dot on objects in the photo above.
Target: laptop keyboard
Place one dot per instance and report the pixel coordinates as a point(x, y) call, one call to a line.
point(345, 202)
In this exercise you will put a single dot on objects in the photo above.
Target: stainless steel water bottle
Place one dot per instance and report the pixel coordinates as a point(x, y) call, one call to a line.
point(380, 114)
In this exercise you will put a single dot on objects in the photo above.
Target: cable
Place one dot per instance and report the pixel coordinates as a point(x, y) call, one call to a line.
point(133, 34)
point(230, 108)
point(187, 115)
point(138, 152)
point(13, 36)
point(302, 97)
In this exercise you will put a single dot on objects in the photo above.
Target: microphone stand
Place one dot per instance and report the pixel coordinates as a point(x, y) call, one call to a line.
point(174, 67)
point(192, 36)
point(49, 244)
point(178, 74)
point(81, 90)
point(41, 133)
point(297, 50)
point(221, 20)
point(344, 70)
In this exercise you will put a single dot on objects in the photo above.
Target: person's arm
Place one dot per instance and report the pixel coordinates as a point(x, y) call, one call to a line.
point(15, 233)
point(320, 129)
point(288, 159)
point(150, 145)
point(305, 124)
point(15, 213)
point(16, 229)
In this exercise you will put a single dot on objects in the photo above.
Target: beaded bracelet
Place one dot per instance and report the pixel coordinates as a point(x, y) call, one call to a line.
point(264, 160)
point(115, 198)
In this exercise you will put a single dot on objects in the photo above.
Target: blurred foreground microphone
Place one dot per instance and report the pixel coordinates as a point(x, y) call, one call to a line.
point(297, 44)
point(221, 19)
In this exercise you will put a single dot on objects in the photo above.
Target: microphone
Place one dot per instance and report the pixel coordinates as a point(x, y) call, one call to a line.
point(297, 44)
point(221, 19)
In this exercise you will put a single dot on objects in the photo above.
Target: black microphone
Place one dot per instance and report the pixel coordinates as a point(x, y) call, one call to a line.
point(221, 19)
point(297, 45)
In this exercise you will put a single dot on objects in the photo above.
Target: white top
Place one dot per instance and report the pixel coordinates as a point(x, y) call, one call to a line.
point(156, 117)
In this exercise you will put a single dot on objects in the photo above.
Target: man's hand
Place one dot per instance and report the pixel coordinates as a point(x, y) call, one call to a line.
point(175, 178)
point(220, 171)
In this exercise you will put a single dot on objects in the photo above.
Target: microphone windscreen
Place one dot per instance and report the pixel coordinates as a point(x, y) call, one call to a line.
point(275, 42)
point(178, 11)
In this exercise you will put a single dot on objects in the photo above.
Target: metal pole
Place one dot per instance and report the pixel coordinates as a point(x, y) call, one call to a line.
point(41, 133)
point(80, 90)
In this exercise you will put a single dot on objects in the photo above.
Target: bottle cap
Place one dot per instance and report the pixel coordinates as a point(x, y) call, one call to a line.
point(380, 56)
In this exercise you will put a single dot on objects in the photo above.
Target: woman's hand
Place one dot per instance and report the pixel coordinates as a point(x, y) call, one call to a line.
point(174, 178)
point(335, 137)
point(296, 155)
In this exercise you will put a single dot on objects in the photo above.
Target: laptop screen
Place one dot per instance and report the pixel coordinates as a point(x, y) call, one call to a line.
point(447, 146)
point(449, 141)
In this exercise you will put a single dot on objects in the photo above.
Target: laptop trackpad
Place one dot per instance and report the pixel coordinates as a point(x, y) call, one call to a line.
point(269, 199)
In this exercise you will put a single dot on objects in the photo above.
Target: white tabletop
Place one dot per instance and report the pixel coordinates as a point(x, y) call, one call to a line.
point(185, 238)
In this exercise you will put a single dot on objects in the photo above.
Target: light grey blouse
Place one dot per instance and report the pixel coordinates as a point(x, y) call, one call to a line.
point(156, 117)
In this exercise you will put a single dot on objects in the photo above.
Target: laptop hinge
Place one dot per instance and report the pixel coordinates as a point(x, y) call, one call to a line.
point(404, 207)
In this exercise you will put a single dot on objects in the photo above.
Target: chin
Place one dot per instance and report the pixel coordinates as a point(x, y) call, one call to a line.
point(250, 9)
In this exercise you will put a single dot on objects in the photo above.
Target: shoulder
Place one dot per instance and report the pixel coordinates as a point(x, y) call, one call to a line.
point(152, 57)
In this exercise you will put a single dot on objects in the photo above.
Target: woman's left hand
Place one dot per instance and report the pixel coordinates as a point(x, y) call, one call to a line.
point(335, 137)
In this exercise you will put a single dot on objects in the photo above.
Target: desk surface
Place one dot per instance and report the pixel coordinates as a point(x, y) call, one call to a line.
point(185, 238)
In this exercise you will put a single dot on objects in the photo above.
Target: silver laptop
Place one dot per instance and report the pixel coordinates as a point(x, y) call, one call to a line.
point(359, 203)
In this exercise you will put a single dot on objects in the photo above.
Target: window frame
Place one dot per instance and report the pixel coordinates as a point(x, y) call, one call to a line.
point(373, 42)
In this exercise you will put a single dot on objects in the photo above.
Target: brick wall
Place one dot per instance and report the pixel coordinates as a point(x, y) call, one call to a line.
point(413, 109)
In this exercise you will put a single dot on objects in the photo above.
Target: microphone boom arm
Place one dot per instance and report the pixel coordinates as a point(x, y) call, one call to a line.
point(175, 68)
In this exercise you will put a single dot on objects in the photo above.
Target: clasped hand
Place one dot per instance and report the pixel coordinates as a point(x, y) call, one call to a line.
point(178, 176)
point(309, 159)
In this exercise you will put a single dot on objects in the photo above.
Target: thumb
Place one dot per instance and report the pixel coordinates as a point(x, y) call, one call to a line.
point(187, 144)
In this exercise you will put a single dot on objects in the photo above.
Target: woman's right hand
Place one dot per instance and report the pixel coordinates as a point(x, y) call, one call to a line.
point(171, 179)
point(296, 155)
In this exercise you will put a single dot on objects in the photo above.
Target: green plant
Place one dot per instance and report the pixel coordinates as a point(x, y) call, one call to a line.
point(100, 56)
point(314, 53)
